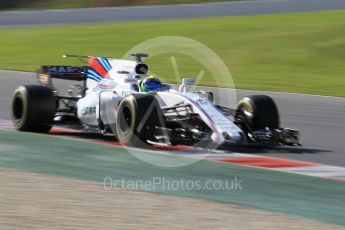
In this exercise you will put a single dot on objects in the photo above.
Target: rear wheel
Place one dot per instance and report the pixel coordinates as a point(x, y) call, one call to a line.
point(259, 112)
point(33, 108)
point(137, 118)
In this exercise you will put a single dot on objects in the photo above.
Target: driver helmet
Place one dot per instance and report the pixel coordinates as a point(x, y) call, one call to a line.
point(150, 83)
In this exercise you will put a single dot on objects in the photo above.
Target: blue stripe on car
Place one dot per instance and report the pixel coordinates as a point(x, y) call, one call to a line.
point(104, 64)
point(93, 75)
point(108, 64)
point(93, 78)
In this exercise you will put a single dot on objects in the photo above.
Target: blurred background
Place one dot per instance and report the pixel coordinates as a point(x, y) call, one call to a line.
point(288, 45)
point(58, 4)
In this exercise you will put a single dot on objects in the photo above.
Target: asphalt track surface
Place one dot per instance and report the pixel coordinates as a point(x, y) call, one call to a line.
point(138, 13)
point(320, 120)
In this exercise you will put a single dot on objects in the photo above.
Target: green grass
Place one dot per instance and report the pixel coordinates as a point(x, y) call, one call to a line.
point(301, 52)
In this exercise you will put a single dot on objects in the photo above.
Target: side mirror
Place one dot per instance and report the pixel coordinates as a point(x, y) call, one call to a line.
point(188, 81)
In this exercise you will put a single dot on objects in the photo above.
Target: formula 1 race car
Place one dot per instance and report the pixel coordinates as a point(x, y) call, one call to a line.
point(116, 97)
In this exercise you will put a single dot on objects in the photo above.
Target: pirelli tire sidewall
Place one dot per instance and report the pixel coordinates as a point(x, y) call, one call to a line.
point(137, 117)
point(33, 108)
point(264, 110)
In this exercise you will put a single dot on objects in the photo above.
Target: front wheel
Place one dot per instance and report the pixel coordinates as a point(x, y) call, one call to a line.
point(33, 108)
point(259, 112)
point(137, 119)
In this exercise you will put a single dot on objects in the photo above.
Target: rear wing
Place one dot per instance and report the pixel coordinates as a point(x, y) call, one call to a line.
point(73, 73)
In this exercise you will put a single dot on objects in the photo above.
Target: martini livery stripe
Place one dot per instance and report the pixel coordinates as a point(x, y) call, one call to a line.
point(98, 68)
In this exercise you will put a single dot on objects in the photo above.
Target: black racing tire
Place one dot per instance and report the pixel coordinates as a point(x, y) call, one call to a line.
point(33, 108)
point(260, 112)
point(137, 117)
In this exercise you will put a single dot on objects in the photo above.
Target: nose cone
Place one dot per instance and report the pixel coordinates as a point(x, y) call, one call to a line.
point(225, 137)
point(233, 137)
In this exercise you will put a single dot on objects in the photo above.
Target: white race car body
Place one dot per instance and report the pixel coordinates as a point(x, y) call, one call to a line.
point(90, 111)
point(110, 85)
point(105, 95)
